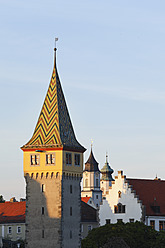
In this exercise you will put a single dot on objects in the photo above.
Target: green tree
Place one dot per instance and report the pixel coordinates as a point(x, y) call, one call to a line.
point(135, 235)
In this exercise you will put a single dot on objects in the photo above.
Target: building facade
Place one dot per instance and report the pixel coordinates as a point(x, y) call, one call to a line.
point(53, 166)
point(91, 180)
point(12, 222)
point(131, 200)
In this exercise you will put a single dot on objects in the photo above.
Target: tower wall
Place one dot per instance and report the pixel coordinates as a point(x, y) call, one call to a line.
point(71, 212)
point(43, 211)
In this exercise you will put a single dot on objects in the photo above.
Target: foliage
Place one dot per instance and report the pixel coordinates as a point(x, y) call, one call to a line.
point(1, 199)
point(134, 234)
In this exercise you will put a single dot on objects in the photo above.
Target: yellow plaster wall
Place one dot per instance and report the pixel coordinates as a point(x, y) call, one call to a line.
point(42, 167)
point(59, 166)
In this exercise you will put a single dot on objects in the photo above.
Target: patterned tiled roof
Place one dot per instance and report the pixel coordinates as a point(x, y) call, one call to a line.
point(151, 193)
point(54, 127)
point(12, 212)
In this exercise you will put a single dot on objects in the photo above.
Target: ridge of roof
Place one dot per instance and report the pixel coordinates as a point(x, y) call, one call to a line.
point(54, 127)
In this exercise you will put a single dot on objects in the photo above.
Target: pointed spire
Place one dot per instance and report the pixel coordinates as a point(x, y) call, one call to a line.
point(54, 127)
point(91, 164)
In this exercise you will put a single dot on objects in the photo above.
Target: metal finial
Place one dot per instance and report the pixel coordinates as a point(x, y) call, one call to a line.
point(106, 157)
point(91, 143)
point(56, 39)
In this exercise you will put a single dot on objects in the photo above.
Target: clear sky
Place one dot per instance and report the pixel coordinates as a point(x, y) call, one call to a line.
point(111, 60)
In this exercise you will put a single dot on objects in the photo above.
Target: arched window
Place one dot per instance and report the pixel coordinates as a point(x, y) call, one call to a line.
point(86, 183)
point(97, 183)
point(119, 194)
point(119, 208)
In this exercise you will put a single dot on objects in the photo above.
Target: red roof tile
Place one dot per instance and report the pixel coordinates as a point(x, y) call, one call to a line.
point(152, 193)
point(85, 199)
point(12, 212)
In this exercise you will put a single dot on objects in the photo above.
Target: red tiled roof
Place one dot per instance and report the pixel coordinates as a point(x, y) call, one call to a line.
point(85, 199)
point(152, 194)
point(12, 212)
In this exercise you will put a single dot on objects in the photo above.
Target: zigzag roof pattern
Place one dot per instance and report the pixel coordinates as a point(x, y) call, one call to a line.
point(54, 127)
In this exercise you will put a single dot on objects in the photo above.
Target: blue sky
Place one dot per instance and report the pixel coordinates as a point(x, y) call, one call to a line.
point(111, 64)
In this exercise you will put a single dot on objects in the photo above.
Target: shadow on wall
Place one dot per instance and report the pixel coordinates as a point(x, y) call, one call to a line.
point(45, 225)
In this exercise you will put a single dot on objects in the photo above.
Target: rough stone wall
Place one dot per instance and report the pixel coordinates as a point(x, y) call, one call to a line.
point(43, 211)
point(71, 212)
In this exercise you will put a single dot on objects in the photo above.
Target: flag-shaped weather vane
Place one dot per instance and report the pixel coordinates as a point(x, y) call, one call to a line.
point(56, 39)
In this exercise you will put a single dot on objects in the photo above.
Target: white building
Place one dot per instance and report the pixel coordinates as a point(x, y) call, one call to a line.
point(129, 200)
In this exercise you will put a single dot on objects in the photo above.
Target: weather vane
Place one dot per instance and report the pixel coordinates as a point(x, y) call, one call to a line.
point(56, 39)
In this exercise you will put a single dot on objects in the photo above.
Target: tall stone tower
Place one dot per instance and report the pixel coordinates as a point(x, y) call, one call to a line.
point(53, 165)
point(91, 180)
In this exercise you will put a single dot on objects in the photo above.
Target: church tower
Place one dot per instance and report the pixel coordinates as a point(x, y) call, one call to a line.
point(106, 180)
point(91, 180)
point(53, 166)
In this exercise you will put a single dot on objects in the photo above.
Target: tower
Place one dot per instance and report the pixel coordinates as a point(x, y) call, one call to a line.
point(53, 165)
point(91, 180)
point(106, 180)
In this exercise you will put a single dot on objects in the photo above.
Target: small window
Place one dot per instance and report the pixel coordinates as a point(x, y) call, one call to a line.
point(108, 221)
point(81, 226)
point(43, 188)
point(50, 159)
point(70, 234)
point(42, 211)
point(161, 225)
point(119, 194)
point(68, 159)
point(43, 234)
point(119, 209)
point(119, 220)
point(131, 220)
point(70, 211)
point(9, 230)
point(18, 229)
point(97, 205)
point(86, 183)
point(97, 196)
point(97, 183)
point(89, 228)
point(34, 160)
point(77, 159)
point(152, 224)
point(70, 189)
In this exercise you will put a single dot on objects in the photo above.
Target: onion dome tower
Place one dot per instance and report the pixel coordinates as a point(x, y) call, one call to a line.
point(91, 180)
point(106, 180)
point(53, 167)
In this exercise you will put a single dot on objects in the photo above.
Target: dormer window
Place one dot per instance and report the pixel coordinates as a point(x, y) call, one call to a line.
point(50, 159)
point(156, 209)
point(68, 158)
point(34, 160)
